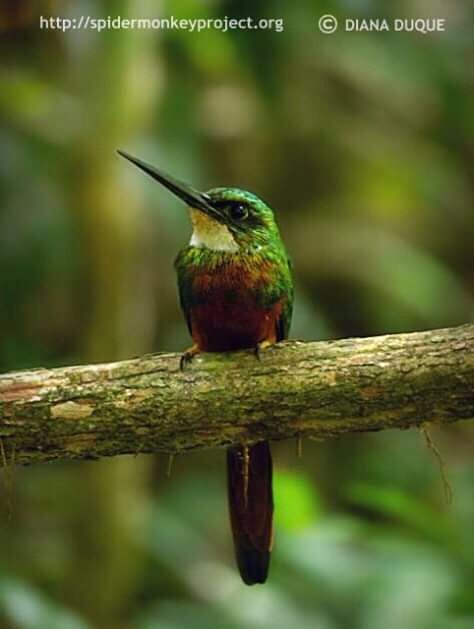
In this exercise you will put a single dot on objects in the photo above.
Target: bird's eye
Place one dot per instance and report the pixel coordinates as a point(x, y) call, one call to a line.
point(238, 212)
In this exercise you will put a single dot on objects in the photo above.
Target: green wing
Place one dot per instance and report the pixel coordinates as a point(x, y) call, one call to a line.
point(183, 267)
point(185, 308)
point(284, 322)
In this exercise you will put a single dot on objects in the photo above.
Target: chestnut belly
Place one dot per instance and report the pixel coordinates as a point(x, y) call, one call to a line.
point(221, 326)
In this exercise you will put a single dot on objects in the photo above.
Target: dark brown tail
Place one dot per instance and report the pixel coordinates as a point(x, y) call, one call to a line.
point(249, 477)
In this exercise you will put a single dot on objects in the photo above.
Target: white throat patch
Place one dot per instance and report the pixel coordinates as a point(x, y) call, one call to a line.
point(211, 234)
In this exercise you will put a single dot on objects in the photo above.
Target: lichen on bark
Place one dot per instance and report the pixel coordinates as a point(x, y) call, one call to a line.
point(316, 389)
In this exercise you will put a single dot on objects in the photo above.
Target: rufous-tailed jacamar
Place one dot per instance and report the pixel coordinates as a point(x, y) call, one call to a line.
point(236, 292)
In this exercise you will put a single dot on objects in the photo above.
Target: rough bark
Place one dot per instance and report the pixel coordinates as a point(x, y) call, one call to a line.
point(316, 389)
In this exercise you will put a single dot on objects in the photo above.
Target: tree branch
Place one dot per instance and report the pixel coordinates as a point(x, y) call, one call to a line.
point(315, 389)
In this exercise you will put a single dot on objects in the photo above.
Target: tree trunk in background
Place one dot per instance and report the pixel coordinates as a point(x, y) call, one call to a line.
point(122, 316)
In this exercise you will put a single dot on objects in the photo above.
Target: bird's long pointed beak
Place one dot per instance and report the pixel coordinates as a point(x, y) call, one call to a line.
point(186, 193)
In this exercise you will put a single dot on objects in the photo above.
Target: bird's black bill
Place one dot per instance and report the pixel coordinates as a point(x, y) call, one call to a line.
point(188, 194)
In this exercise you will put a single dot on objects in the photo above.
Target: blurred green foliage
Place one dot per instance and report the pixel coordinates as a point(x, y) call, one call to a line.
point(361, 141)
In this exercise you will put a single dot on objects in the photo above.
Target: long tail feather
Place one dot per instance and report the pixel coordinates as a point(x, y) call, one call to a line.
point(249, 476)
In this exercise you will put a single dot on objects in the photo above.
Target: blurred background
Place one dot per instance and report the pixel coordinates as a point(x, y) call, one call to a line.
point(361, 143)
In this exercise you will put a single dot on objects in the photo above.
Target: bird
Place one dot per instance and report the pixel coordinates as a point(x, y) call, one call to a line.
point(235, 285)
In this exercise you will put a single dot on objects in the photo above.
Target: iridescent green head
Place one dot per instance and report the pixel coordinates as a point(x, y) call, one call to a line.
point(225, 219)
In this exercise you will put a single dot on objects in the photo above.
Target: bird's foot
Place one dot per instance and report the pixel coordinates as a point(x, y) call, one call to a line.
point(260, 347)
point(187, 357)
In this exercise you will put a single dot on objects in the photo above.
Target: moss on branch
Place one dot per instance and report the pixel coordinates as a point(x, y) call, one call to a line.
point(316, 389)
